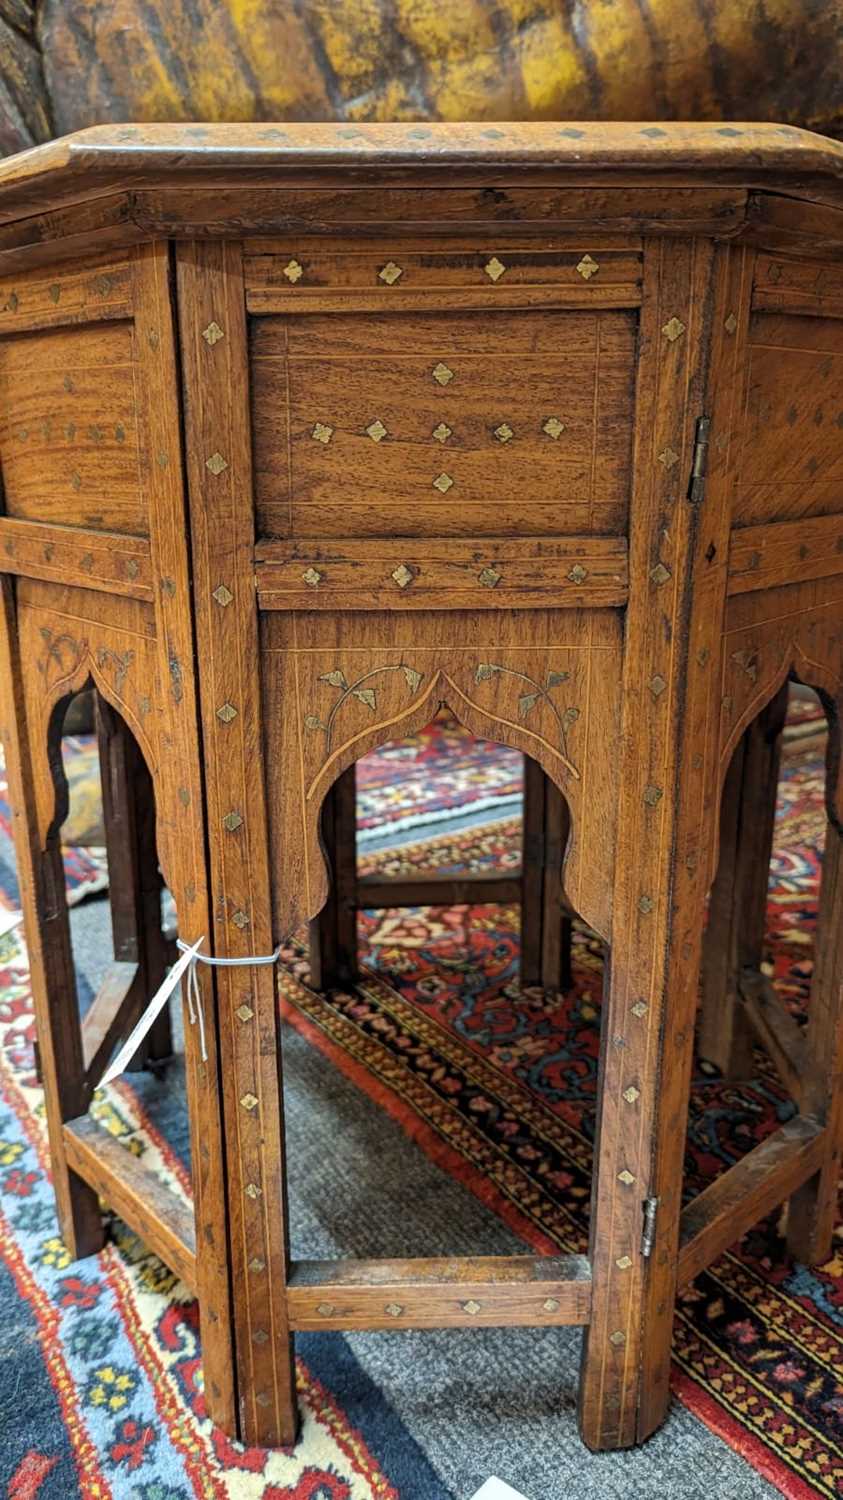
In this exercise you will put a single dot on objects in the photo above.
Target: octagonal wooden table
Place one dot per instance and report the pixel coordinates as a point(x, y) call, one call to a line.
point(309, 430)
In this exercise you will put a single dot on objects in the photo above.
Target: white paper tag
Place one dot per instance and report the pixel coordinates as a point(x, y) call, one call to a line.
point(495, 1489)
point(155, 1006)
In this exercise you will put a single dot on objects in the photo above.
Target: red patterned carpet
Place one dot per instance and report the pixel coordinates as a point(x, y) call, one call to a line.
point(498, 1084)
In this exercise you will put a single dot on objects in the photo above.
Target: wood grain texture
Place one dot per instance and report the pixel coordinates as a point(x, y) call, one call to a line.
point(412, 62)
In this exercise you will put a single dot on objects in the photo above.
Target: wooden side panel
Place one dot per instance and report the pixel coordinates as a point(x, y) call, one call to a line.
point(545, 682)
point(791, 459)
point(470, 423)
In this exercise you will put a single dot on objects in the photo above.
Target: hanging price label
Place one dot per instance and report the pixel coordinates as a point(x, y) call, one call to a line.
point(153, 1009)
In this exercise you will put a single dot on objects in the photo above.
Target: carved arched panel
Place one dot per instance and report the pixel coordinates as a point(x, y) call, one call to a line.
point(770, 634)
point(546, 684)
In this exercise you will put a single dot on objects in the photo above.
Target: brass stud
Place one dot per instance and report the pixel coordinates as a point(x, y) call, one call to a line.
point(442, 374)
point(256, 1265)
point(588, 267)
point(660, 573)
point(553, 427)
point(673, 330)
point(312, 578)
point(442, 432)
point(393, 1309)
point(322, 433)
point(443, 483)
point(249, 1102)
point(504, 432)
point(578, 573)
point(731, 323)
point(227, 712)
point(618, 1337)
point(490, 578)
point(631, 1094)
point(657, 685)
point(471, 1307)
point(645, 905)
point(212, 334)
point(325, 1309)
point(652, 795)
point(263, 1398)
point(390, 272)
point(260, 1336)
point(216, 463)
point(402, 575)
point(626, 1177)
point(253, 1191)
point(223, 595)
point(232, 821)
point(640, 1008)
point(376, 430)
point(668, 457)
point(132, 567)
point(240, 920)
point(55, 292)
point(623, 1262)
point(550, 1304)
point(494, 268)
point(293, 271)
point(244, 1013)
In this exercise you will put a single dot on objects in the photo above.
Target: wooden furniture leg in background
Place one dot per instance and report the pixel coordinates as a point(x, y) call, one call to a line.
point(734, 940)
point(546, 928)
point(333, 934)
point(133, 876)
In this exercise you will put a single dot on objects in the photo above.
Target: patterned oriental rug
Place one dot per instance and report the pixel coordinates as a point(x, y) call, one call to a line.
point(496, 1085)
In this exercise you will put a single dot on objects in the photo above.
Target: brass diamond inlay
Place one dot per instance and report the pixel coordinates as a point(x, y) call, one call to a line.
point(376, 430)
point(578, 573)
point(240, 920)
point(652, 795)
point(645, 905)
point(471, 1307)
point(390, 272)
point(490, 578)
point(660, 573)
point(325, 1309)
point(553, 427)
point(550, 1304)
point(504, 432)
point(623, 1262)
point(442, 483)
point(223, 595)
point(731, 323)
point(257, 1265)
point(253, 1191)
point(312, 578)
point(618, 1337)
point(244, 1013)
point(212, 334)
point(293, 271)
point(673, 330)
point(402, 575)
point(494, 268)
point(640, 1008)
point(322, 433)
point(227, 713)
point(249, 1101)
point(626, 1177)
point(631, 1094)
point(260, 1335)
point(216, 463)
point(588, 267)
point(442, 374)
point(394, 1309)
point(668, 458)
point(232, 821)
point(442, 432)
point(657, 685)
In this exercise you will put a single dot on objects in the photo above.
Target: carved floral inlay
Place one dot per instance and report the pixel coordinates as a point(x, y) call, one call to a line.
point(361, 689)
point(536, 692)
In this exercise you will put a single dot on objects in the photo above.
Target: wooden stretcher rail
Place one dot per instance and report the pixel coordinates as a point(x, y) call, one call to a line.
point(779, 552)
point(438, 890)
point(731, 1204)
point(469, 1292)
point(782, 1038)
point(162, 1220)
point(114, 1010)
point(104, 560)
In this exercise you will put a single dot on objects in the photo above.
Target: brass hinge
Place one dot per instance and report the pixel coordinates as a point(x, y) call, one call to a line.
point(699, 462)
point(648, 1237)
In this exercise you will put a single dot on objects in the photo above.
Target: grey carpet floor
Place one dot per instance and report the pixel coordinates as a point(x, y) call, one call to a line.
point(477, 1402)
